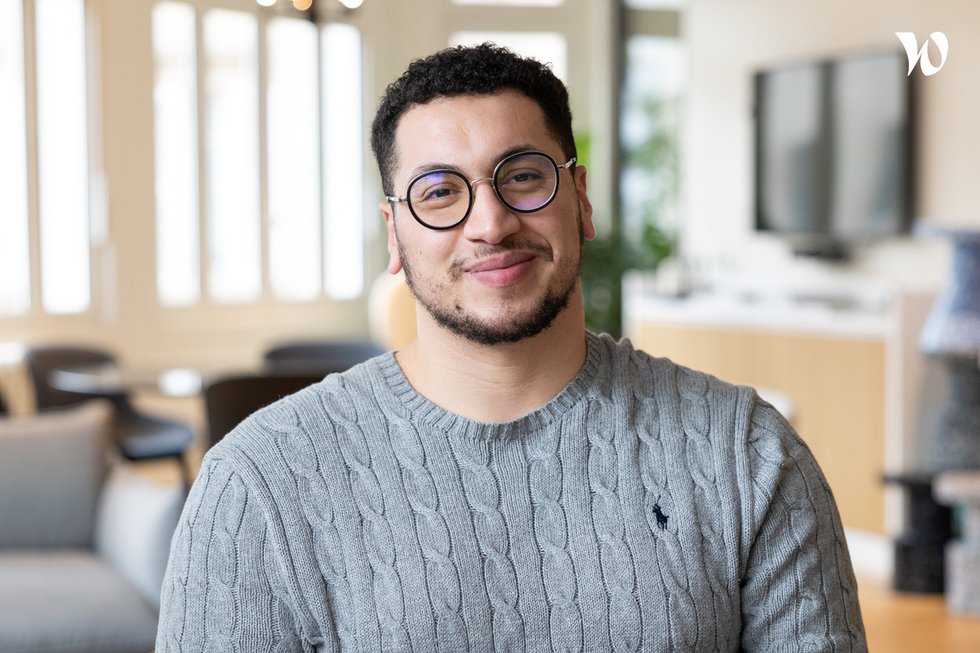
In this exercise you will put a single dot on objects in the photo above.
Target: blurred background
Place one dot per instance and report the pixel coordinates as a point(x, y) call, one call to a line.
point(187, 184)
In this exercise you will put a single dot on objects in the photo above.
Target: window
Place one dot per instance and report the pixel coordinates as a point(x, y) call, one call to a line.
point(15, 286)
point(649, 132)
point(654, 78)
point(178, 245)
point(62, 155)
point(280, 192)
point(294, 166)
point(343, 179)
point(59, 163)
point(231, 126)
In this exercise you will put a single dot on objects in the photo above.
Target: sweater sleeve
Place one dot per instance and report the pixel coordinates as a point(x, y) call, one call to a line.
point(798, 589)
point(223, 589)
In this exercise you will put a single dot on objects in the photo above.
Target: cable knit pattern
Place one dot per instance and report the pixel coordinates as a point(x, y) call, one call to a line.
point(444, 592)
point(616, 559)
point(281, 624)
point(296, 448)
point(175, 588)
point(551, 532)
point(223, 567)
point(696, 421)
point(378, 540)
point(672, 573)
point(483, 493)
point(646, 507)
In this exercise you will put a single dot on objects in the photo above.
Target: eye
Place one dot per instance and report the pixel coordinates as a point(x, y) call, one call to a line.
point(525, 171)
point(437, 189)
point(437, 192)
point(522, 176)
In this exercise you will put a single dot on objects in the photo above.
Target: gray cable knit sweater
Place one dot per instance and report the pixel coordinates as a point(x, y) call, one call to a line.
point(645, 508)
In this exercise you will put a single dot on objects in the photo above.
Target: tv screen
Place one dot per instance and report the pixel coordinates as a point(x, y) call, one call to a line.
point(833, 145)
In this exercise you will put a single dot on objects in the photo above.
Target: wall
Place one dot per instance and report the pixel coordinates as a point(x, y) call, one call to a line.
point(729, 39)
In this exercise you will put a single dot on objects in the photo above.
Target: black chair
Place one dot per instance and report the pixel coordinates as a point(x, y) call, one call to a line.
point(42, 361)
point(137, 436)
point(323, 357)
point(230, 399)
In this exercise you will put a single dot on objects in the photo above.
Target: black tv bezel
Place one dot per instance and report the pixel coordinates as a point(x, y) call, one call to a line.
point(829, 244)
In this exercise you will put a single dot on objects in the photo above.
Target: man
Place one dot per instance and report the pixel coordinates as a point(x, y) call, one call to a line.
point(508, 482)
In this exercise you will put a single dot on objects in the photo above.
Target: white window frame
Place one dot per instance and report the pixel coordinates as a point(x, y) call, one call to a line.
point(93, 210)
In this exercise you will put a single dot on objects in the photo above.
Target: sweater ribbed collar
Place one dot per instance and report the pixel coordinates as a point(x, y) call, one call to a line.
point(422, 411)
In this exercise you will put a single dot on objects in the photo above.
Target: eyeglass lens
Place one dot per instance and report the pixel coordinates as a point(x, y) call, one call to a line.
point(524, 183)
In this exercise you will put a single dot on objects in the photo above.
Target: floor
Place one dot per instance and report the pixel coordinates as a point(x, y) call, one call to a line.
point(913, 623)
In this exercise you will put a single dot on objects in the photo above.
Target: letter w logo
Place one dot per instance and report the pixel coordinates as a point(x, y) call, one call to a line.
point(921, 57)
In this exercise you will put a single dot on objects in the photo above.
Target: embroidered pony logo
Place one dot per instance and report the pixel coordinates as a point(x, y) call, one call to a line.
point(660, 516)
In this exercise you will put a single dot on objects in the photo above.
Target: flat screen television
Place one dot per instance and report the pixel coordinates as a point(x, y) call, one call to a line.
point(833, 151)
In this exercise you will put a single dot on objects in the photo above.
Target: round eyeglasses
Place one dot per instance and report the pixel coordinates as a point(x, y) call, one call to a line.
point(524, 182)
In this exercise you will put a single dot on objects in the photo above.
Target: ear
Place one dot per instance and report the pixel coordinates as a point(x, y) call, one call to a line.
point(588, 228)
point(394, 258)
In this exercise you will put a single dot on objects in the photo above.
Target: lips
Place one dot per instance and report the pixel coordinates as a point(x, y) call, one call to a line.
point(500, 262)
point(501, 270)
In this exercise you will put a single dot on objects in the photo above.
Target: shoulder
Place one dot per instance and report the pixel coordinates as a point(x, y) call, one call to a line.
point(296, 426)
point(645, 376)
point(285, 460)
point(700, 416)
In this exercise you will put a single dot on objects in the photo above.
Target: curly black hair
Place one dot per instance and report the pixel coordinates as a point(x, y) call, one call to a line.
point(469, 70)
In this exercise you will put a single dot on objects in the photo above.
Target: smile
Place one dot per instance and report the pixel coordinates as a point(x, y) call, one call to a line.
point(503, 270)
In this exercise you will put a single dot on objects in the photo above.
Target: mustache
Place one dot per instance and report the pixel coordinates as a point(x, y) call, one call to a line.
point(461, 262)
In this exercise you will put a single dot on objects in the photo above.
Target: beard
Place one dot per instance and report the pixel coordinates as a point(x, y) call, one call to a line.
point(506, 328)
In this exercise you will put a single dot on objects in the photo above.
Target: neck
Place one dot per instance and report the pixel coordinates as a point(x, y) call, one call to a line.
point(495, 383)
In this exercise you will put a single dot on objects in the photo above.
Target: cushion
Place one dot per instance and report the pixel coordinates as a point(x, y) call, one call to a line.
point(69, 601)
point(137, 519)
point(51, 470)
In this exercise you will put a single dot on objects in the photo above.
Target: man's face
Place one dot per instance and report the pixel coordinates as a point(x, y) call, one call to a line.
point(500, 276)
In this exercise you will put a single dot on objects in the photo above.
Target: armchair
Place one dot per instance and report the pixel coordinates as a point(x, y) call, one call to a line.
point(83, 540)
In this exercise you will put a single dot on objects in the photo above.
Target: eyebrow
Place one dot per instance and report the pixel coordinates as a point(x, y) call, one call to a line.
point(430, 167)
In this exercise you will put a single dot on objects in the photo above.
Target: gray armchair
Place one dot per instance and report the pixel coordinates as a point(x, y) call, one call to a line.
point(83, 540)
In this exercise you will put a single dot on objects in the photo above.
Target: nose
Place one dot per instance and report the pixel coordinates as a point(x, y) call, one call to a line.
point(489, 220)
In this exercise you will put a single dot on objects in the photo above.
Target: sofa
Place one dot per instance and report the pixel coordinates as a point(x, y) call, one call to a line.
point(84, 538)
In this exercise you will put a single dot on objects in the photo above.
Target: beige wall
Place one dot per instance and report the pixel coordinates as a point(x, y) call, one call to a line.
point(729, 39)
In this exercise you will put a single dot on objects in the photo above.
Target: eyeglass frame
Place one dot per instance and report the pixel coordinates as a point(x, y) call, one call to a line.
point(470, 183)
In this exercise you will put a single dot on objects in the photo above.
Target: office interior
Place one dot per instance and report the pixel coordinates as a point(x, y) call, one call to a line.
point(188, 183)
